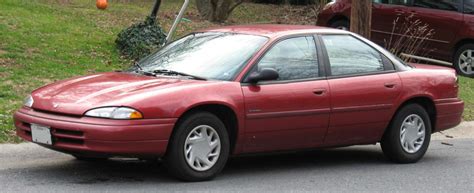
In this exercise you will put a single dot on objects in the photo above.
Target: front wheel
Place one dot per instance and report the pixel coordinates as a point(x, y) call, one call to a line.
point(408, 136)
point(199, 147)
point(464, 60)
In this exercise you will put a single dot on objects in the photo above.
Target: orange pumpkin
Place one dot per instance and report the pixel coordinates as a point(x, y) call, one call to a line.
point(101, 4)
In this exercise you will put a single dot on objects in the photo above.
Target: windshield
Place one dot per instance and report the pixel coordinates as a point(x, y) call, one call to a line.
point(209, 55)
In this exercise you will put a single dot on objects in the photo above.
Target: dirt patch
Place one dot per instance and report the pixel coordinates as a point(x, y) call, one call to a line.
point(7, 62)
point(298, 15)
point(31, 51)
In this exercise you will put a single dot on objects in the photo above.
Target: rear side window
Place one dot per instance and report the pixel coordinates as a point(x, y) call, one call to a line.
point(348, 55)
point(448, 5)
point(469, 6)
point(293, 59)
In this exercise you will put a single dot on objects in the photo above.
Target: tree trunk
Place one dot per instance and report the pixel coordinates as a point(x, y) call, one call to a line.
point(361, 17)
point(156, 7)
point(154, 11)
point(216, 10)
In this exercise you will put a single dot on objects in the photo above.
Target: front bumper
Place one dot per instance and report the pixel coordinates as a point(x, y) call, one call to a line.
point(97, 136)
point(449, 113)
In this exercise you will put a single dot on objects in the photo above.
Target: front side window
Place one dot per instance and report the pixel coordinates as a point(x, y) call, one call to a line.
point(448, 5)
point(348, 55)
point(210, 55)
point(293, 59)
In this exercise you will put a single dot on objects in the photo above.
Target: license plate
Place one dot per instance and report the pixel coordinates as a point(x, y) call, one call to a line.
point(41, 134)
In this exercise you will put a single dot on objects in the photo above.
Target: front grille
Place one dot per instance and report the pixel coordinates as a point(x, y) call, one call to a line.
point(56, 113)
point(68, 132)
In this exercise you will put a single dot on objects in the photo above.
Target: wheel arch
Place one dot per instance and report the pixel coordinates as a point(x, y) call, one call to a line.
point(224, 112)
point(426, 102)
point(459, 44)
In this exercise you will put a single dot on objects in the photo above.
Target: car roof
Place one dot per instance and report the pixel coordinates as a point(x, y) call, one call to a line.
point(272, 30)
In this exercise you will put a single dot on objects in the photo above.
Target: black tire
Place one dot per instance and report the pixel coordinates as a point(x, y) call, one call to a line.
point(391, 143)
point(457, 63)
point(175, 157)
point(341, 24)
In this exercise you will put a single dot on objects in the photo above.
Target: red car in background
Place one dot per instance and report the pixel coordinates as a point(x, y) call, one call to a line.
point(245, 89)
point(451, 20)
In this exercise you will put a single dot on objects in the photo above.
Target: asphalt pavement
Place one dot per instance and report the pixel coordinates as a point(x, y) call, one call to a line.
point(448, 166)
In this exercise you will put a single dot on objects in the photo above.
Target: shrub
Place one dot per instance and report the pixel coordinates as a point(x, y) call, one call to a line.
point(140, 39)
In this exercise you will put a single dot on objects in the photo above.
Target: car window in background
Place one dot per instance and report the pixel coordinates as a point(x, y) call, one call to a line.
point(348, 55)
point(469, 6)
point(293, 59)
point(392, 2)
point(210, 55)
point(448, 5)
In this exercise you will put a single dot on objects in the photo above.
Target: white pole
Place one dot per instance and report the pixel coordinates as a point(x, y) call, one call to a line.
point(176, 21)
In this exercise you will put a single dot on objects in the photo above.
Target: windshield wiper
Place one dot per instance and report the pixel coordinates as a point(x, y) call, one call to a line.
point(172, 72)
point(140, 70)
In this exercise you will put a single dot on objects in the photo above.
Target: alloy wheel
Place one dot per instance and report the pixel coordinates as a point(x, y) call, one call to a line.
point(466, 62)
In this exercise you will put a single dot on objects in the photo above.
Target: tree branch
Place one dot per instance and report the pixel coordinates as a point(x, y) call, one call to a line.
point(236, 3)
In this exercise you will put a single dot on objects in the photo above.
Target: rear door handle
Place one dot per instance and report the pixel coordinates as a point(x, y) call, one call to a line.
point(390, 85)
point(319, 92)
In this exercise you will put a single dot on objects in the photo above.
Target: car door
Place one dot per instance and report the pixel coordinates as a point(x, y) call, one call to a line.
point(387, 18)
point(364, 87)
point(292, 111)
point(444, 18)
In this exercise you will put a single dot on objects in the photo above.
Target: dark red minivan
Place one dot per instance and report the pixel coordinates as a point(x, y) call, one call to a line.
point(452, 22)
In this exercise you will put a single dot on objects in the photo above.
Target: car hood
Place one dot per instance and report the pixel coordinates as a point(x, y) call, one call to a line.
point(77, 95)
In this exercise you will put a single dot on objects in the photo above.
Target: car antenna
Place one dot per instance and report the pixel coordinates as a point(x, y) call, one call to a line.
point(176, 21)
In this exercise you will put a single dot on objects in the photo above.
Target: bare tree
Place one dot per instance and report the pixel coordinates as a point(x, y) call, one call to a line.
point(217, 10)
point(361, 17)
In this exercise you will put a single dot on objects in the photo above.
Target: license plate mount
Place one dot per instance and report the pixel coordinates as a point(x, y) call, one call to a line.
point(41, 134)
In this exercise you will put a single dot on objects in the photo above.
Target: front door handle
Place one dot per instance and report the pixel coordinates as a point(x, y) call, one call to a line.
point(319, 92)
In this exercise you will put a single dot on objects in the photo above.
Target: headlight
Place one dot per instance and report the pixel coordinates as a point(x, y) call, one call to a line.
point(28, 101)
point(115, 113)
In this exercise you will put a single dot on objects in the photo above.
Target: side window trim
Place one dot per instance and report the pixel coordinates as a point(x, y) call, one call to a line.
point(389, 67)
point(254, 65)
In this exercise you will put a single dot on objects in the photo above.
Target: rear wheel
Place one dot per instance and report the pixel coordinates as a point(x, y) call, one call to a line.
point(199, 148)
point(464, 60)
point(408, 136)
point(341, 24)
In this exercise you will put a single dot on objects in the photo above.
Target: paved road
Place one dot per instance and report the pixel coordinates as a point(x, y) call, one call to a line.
point(28, 167)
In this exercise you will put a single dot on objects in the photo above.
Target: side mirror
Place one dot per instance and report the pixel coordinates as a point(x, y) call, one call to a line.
point(263, 75)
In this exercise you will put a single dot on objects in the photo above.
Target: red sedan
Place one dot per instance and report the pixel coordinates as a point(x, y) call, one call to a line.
point(244, 89)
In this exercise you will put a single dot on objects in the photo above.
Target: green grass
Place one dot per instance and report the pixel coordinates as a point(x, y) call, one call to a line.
point(467, 94)
point(42, 41)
